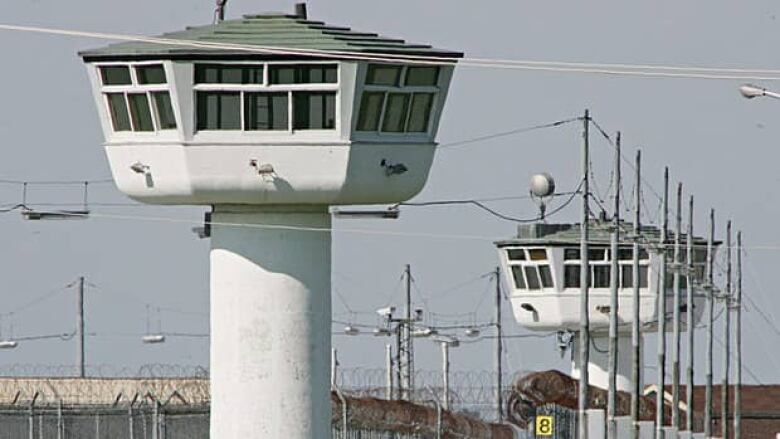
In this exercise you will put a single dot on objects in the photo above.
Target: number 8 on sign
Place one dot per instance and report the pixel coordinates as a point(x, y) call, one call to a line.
point(544, 426)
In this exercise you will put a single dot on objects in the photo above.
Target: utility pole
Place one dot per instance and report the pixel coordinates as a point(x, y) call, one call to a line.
point(738, 344)
point(636, 358)
point(407, 349)
point(676, 312)
point(689, 320)
point(334, 368)
point(710, 291)
point(613, 301)
point(445, 366)
point(724, 389)
point(80, 327)
point(389, 372)
point(499, 348)
point(661, 306)
point(584, 335)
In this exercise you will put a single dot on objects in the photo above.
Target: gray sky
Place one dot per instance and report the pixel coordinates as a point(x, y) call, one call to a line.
point(722, 146)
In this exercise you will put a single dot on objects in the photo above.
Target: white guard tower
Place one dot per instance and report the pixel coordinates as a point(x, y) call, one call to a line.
point(270, 138)
point(543, 267)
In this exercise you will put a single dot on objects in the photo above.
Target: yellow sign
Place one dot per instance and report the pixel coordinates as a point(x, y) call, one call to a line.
point(544, 425)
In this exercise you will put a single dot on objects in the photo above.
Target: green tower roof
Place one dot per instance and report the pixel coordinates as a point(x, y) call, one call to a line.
point(276, 31)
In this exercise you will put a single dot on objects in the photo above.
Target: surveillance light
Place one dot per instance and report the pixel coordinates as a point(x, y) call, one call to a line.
point(472, 332)
point(153, 338)
point(424, 332)
point(386, 312)
point(8, 344)
point(351, 330)
point(367, 214)
point(139, 168)
point(751, 91)
point(380, 332)
point(528, 307)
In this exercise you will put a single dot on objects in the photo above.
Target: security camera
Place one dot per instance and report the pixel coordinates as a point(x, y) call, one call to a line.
point(386, 312)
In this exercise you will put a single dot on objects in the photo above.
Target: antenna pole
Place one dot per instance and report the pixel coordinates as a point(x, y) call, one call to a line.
point(690, 330)
point(613, 301)
point(407, 349)
point(445, 366)
point(389, 375)
point(499, 348)
point(584, 335)
point(724, 389)
point(661, 306)
point(710, 291)
point(738, 343)
point(221, 10)
point(80, 327)
point(636, 359)
point(676, 312)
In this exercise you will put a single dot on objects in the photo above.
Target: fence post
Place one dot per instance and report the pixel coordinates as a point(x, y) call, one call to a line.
point(343, 412)
point(97, 425)
point(130, 420)
point(31, 421)
point(60, 426)
point(156, 420)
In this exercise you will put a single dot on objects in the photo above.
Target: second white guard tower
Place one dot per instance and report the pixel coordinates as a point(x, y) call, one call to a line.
point(270, 119)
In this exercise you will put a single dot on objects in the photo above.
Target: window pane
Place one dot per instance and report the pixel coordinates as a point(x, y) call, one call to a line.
point(571, 276)
point(517, 274)
point(165, 116)
point(120, 118)
point(628, 276)
point(314, 110)
point(516, 254)
point(379, 74)
point(596, 254)
point(643, 276)
point(115, 75)
point(537, 254)
point(395, 112)
point(546, 276)
point(531, 277)
point(140, 112)
point(625, 254)
point(601, 276)
point(421, 76)
point(571, 254)
point(266, 111)
point(370, 111)
point(223, 74)
point(643, 254)
point(420, 112)
point(150, 74)
point(219, 110)
point(304, 74)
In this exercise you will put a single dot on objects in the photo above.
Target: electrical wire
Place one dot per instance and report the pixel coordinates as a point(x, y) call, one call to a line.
point(508, 133)
point(613, 69)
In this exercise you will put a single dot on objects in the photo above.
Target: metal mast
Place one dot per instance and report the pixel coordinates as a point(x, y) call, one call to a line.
point(613, 301)
point(584, 335)
point(690, 330)
point(676, 312)
point(738, 343)
point(636, 359)
point(407, 350)
point(710, 291)
point(499, 348)
point(661, 306)
point(724, 389)
point(80, 328)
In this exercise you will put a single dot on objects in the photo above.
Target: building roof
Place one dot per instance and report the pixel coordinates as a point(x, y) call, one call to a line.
point(600, 232)
point(273, 30)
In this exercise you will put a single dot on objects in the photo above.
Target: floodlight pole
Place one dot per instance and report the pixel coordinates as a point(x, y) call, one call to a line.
point(637, 360)
point(689, 321)
point(80, 327)
point(738, 344)
point(710, 291)
point(724, 389)
point(661, 307)
point(676, 312)
point(584, 336)
point(614, 302)
point(499, 348)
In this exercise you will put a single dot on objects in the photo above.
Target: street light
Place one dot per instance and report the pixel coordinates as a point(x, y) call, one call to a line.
point(750, 91)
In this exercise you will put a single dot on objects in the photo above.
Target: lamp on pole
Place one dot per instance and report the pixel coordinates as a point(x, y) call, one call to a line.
point(750, 91)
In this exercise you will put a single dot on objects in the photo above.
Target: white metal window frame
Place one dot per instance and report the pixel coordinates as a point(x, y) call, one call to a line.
point(606, 261)
point(527, 262)
point(136, 88)
point(267, 87)
point(403, 89)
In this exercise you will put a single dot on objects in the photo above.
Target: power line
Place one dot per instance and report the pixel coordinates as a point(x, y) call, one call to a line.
point(508, 133)
point(638, 70)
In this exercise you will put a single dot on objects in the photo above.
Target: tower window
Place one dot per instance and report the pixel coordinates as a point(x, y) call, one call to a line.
point(153, 74)
point(314, 110)
point(517, 274)
point(219, 110)
point(139, 102)
point(115, 75)
point(229, 74)
point(120, 118)
point(304, 74)
point(422, 76)
point(266, 111)
point(379, 74)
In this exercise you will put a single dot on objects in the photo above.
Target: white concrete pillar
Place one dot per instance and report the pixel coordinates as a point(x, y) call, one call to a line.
point(598, 369)
point(270, 323)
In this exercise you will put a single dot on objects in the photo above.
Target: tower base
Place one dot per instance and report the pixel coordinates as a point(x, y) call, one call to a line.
point(598, 367)
point(270, 322)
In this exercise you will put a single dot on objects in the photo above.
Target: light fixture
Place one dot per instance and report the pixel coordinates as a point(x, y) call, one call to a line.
point(390, 213)
point(380, 332)
point(393, 168)
point(36, 215)
point(424, 332)
point(472, 332)
point(153, 338)
point(262, 168)
point(528, 307)
point(386, 311)
point(8, 344)
point(351, 330)
point(751, 91)
point(139, 168)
